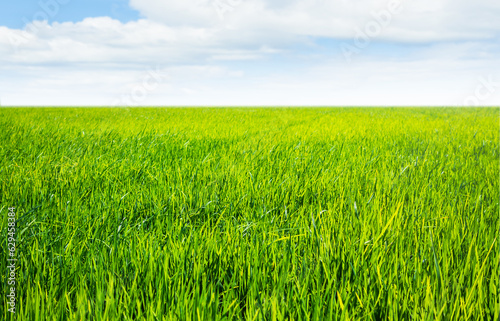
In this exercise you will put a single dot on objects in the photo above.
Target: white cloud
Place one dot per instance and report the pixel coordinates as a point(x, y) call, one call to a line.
point(442, 48)
point(423, 20)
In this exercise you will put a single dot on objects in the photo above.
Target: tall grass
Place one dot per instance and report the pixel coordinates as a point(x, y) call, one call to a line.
point(252, 214)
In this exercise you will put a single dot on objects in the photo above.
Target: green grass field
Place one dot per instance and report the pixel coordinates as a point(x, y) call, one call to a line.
point(252, 214)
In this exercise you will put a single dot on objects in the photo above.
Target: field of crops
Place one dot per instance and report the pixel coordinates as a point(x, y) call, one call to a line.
point(252, 214)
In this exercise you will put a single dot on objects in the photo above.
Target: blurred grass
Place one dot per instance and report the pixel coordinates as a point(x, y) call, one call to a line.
point(253, 214)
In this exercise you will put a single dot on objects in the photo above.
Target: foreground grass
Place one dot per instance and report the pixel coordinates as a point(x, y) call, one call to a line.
point(252, 214)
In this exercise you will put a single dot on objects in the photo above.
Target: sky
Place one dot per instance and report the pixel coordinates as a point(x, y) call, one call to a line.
point(250, 53)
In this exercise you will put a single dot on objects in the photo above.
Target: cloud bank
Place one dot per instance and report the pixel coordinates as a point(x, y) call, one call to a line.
point(246, 52)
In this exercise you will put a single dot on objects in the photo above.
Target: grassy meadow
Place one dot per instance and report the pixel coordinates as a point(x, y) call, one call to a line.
point(252, 213)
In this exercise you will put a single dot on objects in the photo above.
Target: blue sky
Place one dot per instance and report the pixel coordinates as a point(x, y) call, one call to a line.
point(249, 52)
point(14, 14)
